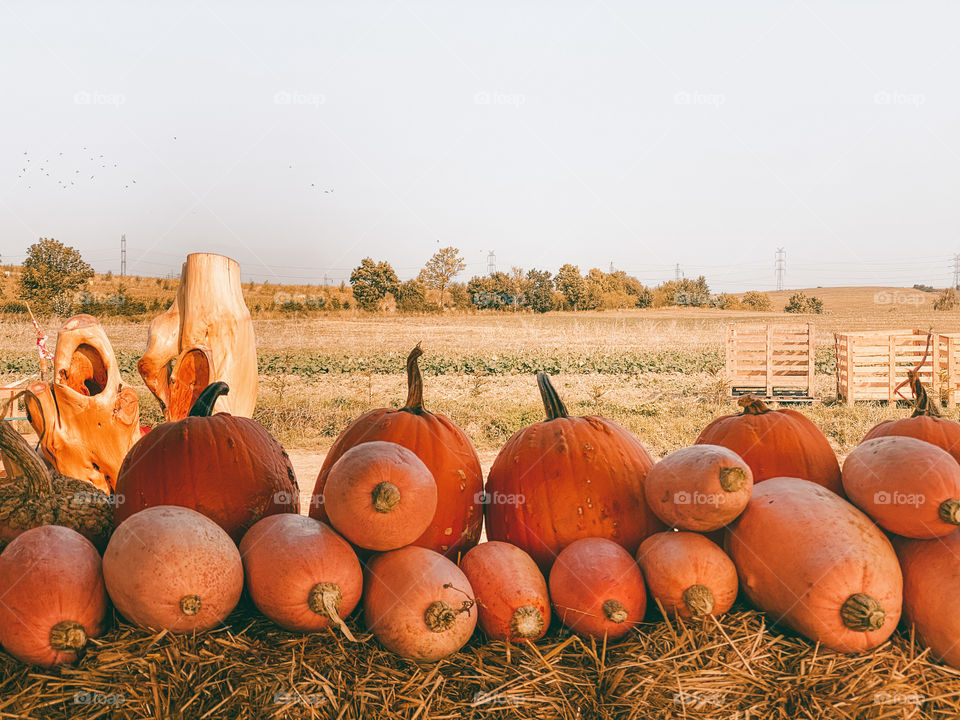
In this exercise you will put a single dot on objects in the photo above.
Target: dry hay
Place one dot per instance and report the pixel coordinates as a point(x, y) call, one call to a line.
point(735, 669)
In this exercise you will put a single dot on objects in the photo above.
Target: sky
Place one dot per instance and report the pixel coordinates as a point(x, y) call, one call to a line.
point(299, 138)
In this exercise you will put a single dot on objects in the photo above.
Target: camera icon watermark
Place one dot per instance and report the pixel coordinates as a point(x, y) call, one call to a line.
point(688, 97)
point(684, 497)
point(889, 97)
point(96, 698)
point(897, 297)
point(882, 497)
point(86, 97)
point(295, 97)
point(491, 97)
point(97, 498)
point(499, 498)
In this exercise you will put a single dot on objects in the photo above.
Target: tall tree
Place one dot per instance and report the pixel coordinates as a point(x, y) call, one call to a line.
point(540, 291)
point(371, 282)
point(51, 273)
point(440, 269)
point(571, 285)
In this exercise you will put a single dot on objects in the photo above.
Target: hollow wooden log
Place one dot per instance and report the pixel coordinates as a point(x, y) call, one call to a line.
point(86, 418)
point(205, 336)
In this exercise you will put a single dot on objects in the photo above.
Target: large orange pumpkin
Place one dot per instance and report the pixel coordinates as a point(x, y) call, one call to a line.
point(776, 443)
point(226, 467)
point(567, 478)
point(443, 447)
point(925, 423)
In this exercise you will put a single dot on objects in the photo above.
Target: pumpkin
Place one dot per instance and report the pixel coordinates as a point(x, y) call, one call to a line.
point(52, 599)
point(597, 589)
point(380, 496)
point(171, 568)
point(776, 443)
point(511, 591)
point(687, 574)
point(443, 447)
point(567, 478)
point(418, 604)
point(700, 488)
point(300, 573)
point(814, 562)
point(38, 496)
point(925, 423)
point(226, 467)
point(908, 486)
point(931, 585)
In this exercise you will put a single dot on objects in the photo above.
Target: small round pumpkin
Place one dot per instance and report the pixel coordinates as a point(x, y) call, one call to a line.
point(300, 573)
point(908, 486)
point(701, 488)
point(776, 443)
point(442, 446)
point(597, 588)
point(226, 467)
point(568, 478)
point(687, 574)
point(52, 598)
point(380, 496)
point(171, 568)
point(510, 589)
point(418, 604)
point(38, 496)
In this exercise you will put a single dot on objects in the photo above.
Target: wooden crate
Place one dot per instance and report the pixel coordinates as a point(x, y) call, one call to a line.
point(870, 365)
point(772, 361)
point(948, 367)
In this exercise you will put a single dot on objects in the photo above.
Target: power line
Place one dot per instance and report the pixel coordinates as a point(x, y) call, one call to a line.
point(123, 256)
point(781, 267)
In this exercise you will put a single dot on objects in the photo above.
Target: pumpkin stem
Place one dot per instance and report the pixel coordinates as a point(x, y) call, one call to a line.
point(386, 496)
point(699, 600)
point(949, 511)
point(440, 616)
point(324, 599)
point(68, 636)
point(190, 604)
point(614, 611)
point(732, 478)
point(552, 404)
point(862, 613)
point(752, 405)
point(526, 622)
point(923, 404)
point(203, 405)
point(37, 478)
point(414, 402)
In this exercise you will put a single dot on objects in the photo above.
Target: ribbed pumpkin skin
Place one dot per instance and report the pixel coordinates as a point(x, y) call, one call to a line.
point(285, 557)
point(445, 450)
point(674, 562)
point(511, 591)
point(902, 483)
point(777, 443)
point(560, 480)
point(802, 552)
point(589, 574)
point(939, 431)
point(225, 467)
point(931, 586)
point(48, 575)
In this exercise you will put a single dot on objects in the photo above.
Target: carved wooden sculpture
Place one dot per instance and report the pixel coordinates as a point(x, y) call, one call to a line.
point(86, 418)
point(205, 336)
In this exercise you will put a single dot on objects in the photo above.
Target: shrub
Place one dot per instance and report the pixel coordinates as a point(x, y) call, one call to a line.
point(757, 301)
point(946, 300)
point(800, 303)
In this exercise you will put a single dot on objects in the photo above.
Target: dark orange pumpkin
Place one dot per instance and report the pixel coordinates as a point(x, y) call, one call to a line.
point(443, 447)
point(597, 589)
point(567, 478)
point(776, 443)
point(226, 467)
point(52, 597)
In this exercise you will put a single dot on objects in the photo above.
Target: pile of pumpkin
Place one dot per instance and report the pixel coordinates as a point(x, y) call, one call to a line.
point(581, 525)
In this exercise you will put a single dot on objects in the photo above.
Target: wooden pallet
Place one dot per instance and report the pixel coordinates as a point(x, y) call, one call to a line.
point(870, 365)
point(775, 362)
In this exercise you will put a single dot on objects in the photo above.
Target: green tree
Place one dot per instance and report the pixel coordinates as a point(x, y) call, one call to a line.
point(800, 303)
point(50, 274)
point(570, 283)
point(371, 282)
point(411, 296)
point(443, 267)
point(540, 291)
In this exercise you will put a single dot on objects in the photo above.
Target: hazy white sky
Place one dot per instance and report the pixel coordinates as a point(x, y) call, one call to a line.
point(638, 134)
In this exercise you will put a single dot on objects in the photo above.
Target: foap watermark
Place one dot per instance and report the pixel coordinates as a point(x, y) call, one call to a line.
point(499, 498)
point(96, 698)
point(296, 698)
point(889, 97)
point(303, 299)
point(689, 97)
point(97, 498)
point(282, 497)
point(898, 297)
point(698, 498)
point(296, 97)
point(492, 97)
point(889, 698)
point(882, 497)
point(498, 700)
point(86, 97)
point(697, 699)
